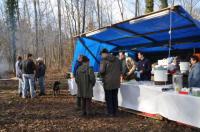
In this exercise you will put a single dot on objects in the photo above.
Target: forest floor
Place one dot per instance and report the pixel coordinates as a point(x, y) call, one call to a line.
point(57, 113)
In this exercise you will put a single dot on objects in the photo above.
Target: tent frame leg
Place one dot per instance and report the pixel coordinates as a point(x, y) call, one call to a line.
point(83, 43)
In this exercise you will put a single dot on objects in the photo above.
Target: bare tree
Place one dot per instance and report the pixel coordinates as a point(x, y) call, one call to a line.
point(12, 9)
point(98, 13)
point(136, 8)
point(84, 15)
point(164, 3)
point(121, 8)
point(60, 34)
point(36, 26)
point(149, 6)
point(78, 15)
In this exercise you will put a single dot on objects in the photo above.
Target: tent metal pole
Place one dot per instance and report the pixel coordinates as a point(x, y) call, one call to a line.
point(170, 32)
point(194, 50)
point(83, 43)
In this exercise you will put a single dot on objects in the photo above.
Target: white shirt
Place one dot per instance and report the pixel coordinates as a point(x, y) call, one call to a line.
point(17, 68)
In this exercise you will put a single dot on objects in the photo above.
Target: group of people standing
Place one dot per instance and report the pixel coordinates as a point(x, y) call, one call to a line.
point(28, 72)
point(131, 69)
point(112, 71)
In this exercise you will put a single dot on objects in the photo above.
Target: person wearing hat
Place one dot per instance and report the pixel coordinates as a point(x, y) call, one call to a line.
point(85, 80)
point(110, 70)
point(40, 75)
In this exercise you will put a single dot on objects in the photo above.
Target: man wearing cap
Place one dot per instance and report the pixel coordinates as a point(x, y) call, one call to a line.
point(110, 70)
point(40, 75)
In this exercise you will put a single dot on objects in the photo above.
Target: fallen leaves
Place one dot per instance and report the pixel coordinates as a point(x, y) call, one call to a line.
point(58, 114)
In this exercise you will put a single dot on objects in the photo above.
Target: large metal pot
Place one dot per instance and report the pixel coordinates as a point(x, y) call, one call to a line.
point(177, 82)
point(160, 76)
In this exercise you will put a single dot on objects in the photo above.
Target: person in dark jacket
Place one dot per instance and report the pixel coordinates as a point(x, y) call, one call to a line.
point(85, 80)
point(76, 66)
point(143, 68)
point(194, 74)
point(110, 70)
point(28, 70)
point(40, 75)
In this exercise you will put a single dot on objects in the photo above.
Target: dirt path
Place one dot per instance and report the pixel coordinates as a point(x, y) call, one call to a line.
point(58, 114)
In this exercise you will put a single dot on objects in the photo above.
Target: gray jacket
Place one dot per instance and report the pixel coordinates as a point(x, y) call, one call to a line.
point(110, 71)
point(85, 80)
point(194, 76)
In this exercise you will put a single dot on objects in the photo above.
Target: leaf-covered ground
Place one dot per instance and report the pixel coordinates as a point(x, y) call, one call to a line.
point(58, 114)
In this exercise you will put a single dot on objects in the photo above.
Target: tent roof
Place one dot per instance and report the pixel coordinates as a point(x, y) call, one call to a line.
point(151, 32)
point(148, 33)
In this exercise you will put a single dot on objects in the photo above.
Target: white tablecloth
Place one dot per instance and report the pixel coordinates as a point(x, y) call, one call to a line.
point(72, 86)
point(149, 98)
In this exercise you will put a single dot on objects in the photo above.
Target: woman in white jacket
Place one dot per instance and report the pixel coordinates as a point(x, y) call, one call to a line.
point(18, 69)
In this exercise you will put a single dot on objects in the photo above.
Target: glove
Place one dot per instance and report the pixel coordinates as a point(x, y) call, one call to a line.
point(138, 74)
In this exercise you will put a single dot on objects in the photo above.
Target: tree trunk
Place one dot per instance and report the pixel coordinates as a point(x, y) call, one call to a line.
point(173, 2)
point(191, 6)
point(27, 11)
point(36, 27)
point(78, 16)
point(84, 6)
point(13, 41)
point(149, 6)
point(60, 36)
point(136, 8)
point(164, 4)
point(12, 12)
point(121, 8)
point(98, 14)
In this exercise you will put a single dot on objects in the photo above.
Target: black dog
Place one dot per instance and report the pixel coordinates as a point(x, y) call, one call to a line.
point(56, 88)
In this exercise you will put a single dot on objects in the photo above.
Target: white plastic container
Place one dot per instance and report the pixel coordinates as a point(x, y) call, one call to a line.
point(184, 67)
point(160, 75)
point(196, 92)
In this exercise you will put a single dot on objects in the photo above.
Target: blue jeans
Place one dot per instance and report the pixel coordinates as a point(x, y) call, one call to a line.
point(41, 81)
point(28, 85)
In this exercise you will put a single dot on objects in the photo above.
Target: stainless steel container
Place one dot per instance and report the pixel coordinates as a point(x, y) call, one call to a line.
point(177, 80)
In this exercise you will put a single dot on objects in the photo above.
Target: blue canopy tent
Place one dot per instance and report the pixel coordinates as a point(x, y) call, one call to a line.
point(162, 31)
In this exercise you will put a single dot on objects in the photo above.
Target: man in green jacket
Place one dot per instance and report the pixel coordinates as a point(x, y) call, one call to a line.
point(110, 70)
point(85, 80)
